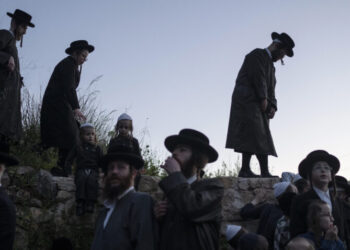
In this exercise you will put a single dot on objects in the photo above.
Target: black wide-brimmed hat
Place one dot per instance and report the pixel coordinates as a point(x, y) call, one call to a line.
point(22, 16)
point(286, 40)
point(79, 45)
point(121, 152)
point(305, 166)
point(194, 139)
point(5, 157)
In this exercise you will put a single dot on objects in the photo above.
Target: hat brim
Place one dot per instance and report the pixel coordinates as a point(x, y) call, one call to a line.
point(89, 48)
point(306, 165)
point(132, 159)
point(8, 160)
point(28, 23)
point(290, 52)
point(172, 141)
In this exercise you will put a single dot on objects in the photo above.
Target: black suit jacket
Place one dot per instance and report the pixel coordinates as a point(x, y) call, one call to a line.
point(298, 221)
point(7, 221)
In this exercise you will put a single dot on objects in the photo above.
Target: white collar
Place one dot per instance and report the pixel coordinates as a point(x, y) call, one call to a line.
point(12, 33)
point(268, 52)
point(319, 191)
point(192, 179)
point(109, 204)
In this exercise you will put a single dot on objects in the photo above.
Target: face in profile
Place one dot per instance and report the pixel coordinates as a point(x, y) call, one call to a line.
point(81, 56)
point(20, 31)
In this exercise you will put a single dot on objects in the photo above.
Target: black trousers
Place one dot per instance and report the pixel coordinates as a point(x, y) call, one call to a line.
point(86, 184)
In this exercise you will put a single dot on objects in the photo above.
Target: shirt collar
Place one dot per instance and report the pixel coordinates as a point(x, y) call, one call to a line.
point(192, 179)
point(12, 33)
point(268, 52)
point(109, 204)
point(319, 191)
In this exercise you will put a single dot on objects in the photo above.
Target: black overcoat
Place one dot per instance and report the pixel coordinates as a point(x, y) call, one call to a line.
point(7, 221)
point(58, 125)
point(193, 215)
point(10, 88)
point(248, 129)
point(298, 220)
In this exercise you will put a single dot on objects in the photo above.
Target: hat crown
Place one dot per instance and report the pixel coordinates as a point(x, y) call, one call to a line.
point(79, 43)
point(20, 14)
point(191, 133)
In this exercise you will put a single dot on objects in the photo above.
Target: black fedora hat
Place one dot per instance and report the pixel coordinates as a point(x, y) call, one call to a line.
point(306, 165)
point(22, 16)
point(121, 152)
point(5, 157)
point(286, 40)
point(79, 45)
point(194, 139)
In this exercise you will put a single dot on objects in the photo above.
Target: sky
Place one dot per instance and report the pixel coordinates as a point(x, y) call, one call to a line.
point(173, 64)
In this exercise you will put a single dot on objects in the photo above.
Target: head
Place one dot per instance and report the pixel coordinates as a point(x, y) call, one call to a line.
point(278, 51)
point(233, 234)
point(80, 56)
point(19, 28)
point(286, 198)
point(191, 160)
point(88, 135)
point(302, 185)
point(124, 127)
point(342, 186)
point(120, 175)
point(321, 175)
point(300, 243)
point(319, 217)
point(253, 242)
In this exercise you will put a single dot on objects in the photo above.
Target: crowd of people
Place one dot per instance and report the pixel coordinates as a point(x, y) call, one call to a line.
point(312, 208)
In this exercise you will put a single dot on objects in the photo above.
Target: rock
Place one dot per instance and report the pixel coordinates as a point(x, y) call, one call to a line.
point(64, 195)
point(36, 203)
point(23, 170)
point(149, 183)
point(5, 180)
point(65, 183)
point(45, 185)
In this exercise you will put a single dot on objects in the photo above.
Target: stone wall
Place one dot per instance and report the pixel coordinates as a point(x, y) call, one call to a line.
point(46, 206)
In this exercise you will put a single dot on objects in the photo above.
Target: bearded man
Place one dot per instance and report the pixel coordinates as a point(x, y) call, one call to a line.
point(127, 221)
point(190, 217)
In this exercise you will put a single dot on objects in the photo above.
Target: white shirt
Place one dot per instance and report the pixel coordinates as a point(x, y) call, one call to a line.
point(110, 205)
point(268, 52)
point(324, 196)
point(12, 33)
point(192, 179)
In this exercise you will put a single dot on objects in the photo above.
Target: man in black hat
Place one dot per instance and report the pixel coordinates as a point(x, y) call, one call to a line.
point(190, 218)
point(254, 104)
point(7, 208)
point(319, 167)
point(60, 111)
point(10, 77)
point(127, 222)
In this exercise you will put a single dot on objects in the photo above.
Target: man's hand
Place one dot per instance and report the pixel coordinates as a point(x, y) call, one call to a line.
point(171, 165)
point(271, 113)
point(264, 105)
point(78, 115)
point(332, 233)
point(11, 64)
point(259, 197)
point(160, 209)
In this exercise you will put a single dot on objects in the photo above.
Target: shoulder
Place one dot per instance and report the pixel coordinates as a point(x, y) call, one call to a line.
point(5, 34)
point(209, 184)
point(67, 62)
point(141, 200)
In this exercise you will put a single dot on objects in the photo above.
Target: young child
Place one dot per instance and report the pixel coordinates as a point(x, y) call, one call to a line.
point(321, 229)
point(124, 137)
point(88, 157)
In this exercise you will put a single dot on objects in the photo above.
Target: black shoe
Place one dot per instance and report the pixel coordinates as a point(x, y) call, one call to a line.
point(247, 174)
point(80, 211)
point(266, 174)
point(90, 207)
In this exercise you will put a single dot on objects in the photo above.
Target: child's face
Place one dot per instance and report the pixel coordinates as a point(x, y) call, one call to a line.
point(325, 218)
point(89, 135)
point(124, 127)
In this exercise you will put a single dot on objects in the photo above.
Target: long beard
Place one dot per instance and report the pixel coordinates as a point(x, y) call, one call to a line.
point(187, 167)
point(112, 192)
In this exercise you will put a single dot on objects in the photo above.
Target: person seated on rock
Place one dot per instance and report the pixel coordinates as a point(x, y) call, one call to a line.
point(88, 157)
point(252, 241)
point(233, 234)
point(321, 230)
point(127, 221)
point(319, 167)
point(302, 184)
point(267, 213)
point(7, 208)
point(300, 243)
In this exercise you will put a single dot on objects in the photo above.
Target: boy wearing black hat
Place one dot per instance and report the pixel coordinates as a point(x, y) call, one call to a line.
point(7, 208)
point(127, 222)
point(190, 218)
point(254, 104)
point(10, 77)
point(319, 167)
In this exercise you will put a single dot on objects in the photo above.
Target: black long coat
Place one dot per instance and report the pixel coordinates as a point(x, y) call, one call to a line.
point(193, 216)
point(58, 125)
point(7, 221)
point(10, 88)
point(298, 220)
point(248, 129)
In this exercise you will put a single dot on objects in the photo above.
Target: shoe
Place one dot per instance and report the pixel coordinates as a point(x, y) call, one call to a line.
point(266, 174)
point(80, 211)
point(90, 207)
point(247, 174)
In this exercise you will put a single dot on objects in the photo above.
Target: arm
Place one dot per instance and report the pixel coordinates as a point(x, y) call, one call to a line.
point(332, 244)
point(257, 75)
point(200, 204)
point(250, 211)
point(136, 145)
point(5, 38)
point(68, 78)
point(297, 218)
